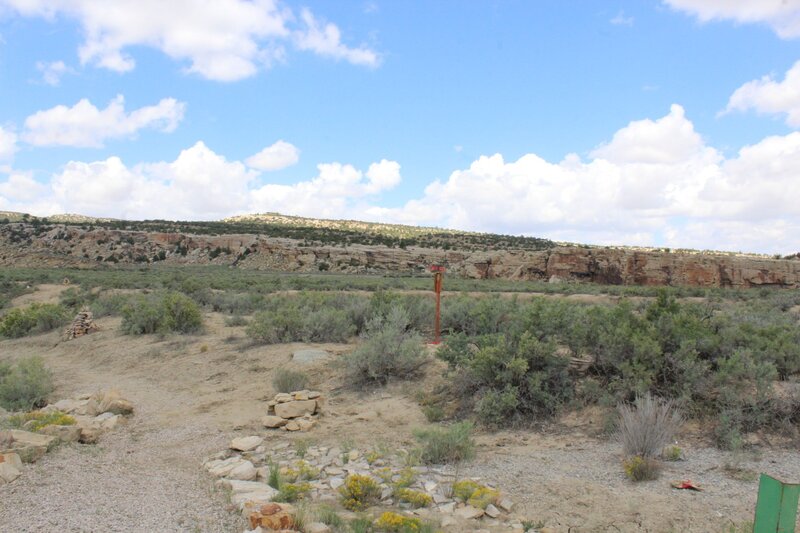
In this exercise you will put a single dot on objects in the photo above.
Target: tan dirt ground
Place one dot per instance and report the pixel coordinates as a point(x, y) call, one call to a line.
point(194, 393)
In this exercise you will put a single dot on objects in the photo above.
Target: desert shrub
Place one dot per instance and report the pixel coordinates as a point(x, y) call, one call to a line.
point(287, 380)
point(639, 468)
point(35, 318)
point(25, 385)
point(327, 325)
point(358, 492)
point(158, 313)
point(328, 516)
point(291, 492)
point(109, 304)
point(389, 350)
point(464, 489)
point(513, 379)
point(647, 426)
point(672, 453)
point(452, 444)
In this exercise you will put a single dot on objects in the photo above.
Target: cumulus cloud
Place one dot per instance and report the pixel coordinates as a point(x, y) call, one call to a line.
point(275, 157)
point(84, 125)
point(782, 16)
point(655, 182)
point(325, 40)
point(53, 71)
point(222, 40)
point(8, 144)
point(769, 96)
point(339, 190)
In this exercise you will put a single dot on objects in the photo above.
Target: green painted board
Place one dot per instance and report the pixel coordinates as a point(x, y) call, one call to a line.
point(776, 508)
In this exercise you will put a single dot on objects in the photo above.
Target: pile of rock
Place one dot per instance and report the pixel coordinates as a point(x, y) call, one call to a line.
point(83, 324)
point(244, 472)
point(94, 414)
point(293, 411)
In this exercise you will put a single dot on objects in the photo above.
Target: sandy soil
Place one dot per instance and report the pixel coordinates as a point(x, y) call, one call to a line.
point(194, 393)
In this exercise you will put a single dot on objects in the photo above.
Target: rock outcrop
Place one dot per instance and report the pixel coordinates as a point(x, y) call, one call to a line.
point(22, 244)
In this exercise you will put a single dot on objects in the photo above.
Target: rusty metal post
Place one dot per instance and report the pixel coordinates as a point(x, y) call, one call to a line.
point(438, 275)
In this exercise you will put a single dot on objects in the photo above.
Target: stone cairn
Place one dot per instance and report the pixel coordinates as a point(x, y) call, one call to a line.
point(293, 411)
point(83, 324)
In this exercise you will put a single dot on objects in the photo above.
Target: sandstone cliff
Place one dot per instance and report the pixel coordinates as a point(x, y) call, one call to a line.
point(27, 245)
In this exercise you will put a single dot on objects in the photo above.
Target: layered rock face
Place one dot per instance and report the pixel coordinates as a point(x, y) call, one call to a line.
point(63, 245)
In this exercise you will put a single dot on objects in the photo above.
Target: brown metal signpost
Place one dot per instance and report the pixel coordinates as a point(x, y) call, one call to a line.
point(438, 276)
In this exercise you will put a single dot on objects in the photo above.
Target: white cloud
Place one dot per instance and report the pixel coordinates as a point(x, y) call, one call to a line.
point(337, 191)
point(84, 125)
point(222, 40)
point(53, 71)
point(275, 157)
point(771, 97)
point(656, 182)
point(8, 144)
point(325, 40)
point(21, 187)
point(621, 20)
point(783, 16)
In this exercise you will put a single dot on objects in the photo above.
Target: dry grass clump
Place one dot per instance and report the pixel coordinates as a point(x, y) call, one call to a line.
point(645, 428)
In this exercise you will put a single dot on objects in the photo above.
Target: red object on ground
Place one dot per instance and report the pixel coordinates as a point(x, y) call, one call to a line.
point(687, 484)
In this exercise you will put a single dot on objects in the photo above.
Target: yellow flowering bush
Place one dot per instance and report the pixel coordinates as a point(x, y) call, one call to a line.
point(414, 497)
point(41, 419)
point(358, 492)
point(395, 523)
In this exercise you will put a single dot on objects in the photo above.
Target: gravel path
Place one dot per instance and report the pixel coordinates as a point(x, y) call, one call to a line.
point(579, 486)
point(139, 478)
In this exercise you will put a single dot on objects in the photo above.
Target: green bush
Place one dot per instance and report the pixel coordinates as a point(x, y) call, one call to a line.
point(161, 313)
point(389, 350)
point(452, 444)
point(25, 385)
point(286, 380)
point(36, 318)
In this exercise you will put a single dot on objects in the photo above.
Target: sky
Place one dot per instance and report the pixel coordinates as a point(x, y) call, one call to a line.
point(666, 123)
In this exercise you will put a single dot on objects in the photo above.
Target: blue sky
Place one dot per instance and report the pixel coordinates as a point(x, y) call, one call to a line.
point(663, 123)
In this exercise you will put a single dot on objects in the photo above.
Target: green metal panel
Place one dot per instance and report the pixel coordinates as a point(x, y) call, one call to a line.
point(776, 509)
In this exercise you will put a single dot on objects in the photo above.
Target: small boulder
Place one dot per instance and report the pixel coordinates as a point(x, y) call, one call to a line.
point(245, 444)
point(274, 516)
point(283, 397)
point(294, 409)
point(89, 435)
point(292, 425)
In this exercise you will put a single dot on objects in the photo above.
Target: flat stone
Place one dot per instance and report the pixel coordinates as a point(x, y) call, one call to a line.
point(469, 512)
point(430, 486)
point(12, 459)
point(309, 356)
point(314, 394)
point(240, 487)
point(449, 521)
point(63, 433)
point(304, 423)
point(336, 482)
point(244, 471)
point(292, 425)
point(505, 504)
point(447, 508)
point(439, 498)
point(255, 498)
point(283, 397)
point(245, 444)
point(492, 511)
point(300, 395)
point(294, 409)
point(8, 473)
point(223, 467)
point(317, 527)
point(270, 421)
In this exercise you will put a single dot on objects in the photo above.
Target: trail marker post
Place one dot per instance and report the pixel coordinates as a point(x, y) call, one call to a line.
point(438, 277)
